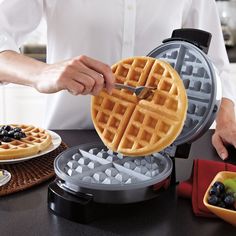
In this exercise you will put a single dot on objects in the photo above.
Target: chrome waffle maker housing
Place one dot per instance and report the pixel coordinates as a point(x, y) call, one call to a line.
point(90, 175)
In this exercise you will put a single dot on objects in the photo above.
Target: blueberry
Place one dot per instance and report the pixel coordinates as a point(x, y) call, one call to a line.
point(6, 139)
point(220, 186)
point(3, 133)
point(221, 204)
point(213, 200)
point(17, 129)
point(2, 127)
point(17, 135)
point(6, 127)
point(213, 191)
point(11, 133)
point(229, 200)
point(22, 134)
point(223, 195)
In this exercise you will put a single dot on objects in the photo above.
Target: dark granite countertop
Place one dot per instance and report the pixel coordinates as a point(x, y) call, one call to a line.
point(27, 213)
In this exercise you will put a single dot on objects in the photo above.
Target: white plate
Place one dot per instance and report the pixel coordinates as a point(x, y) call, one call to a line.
point(5, 178)
point(56, 141)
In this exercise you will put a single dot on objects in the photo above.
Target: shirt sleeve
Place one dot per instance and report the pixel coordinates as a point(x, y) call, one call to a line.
point(17, 19)
point(203, 14)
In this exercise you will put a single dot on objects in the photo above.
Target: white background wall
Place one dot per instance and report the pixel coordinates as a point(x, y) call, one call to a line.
point(21, 104)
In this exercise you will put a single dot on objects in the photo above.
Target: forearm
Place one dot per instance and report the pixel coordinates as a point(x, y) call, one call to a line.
point(226, 112)
point(79, 75)
point(19, 69)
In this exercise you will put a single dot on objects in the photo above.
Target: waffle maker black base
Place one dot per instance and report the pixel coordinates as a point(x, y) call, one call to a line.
point(80, 209)
point(83, 209)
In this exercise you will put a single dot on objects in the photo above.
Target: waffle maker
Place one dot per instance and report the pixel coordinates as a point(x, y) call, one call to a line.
point(90, 176)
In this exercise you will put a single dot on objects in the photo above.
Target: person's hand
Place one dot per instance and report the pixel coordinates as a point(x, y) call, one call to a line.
point(80, 75)
point(225, 132)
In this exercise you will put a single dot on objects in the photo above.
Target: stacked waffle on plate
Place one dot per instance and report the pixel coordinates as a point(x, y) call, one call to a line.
point(34, 141)
point(140, 127)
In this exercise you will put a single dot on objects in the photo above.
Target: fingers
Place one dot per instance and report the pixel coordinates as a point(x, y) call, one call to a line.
point(88, 76)
point(219, 146)
point(75, 88)
point(98, 80)
point(92, 81)
point(101, 68)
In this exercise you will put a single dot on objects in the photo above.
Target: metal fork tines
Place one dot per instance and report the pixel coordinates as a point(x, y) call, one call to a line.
point(142, 92)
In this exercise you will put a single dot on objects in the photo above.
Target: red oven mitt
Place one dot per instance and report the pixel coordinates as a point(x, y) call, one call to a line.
point(203, 173)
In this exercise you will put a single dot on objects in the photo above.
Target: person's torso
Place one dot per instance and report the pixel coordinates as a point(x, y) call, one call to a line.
point(105, 30)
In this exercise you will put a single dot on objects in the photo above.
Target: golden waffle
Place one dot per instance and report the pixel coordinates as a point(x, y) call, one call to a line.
point(36, 140)
point(141, 127)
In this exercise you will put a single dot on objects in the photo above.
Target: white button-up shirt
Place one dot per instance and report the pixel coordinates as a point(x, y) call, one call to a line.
point(107, 30)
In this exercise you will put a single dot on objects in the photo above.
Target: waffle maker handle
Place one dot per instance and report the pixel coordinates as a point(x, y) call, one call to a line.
point(199, 38)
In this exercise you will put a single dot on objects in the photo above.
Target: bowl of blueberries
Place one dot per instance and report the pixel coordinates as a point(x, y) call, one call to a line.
point(220, 197)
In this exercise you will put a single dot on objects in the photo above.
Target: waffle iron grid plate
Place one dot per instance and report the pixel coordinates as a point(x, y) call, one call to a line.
point(201, 83)
point(109, 176)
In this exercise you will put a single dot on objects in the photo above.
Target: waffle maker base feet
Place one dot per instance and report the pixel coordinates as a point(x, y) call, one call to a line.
point(62, 203)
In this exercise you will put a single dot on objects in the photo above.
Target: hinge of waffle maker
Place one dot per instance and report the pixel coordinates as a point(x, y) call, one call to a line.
point(176, 151)
point(199, 38)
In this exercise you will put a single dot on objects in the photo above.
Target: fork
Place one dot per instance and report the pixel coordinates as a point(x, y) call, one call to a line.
point(142, 92)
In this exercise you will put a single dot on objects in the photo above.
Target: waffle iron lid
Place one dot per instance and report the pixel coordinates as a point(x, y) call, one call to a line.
point(187, 56)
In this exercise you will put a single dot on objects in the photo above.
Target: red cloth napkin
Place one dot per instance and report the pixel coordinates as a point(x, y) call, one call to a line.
point(203, 173)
